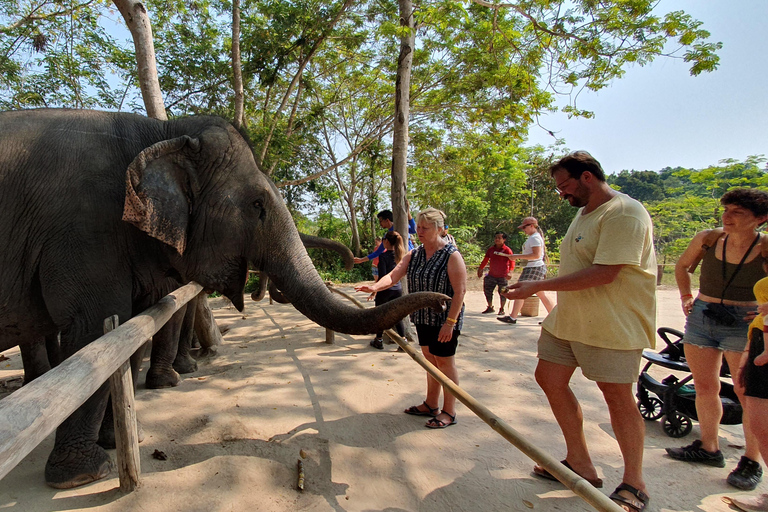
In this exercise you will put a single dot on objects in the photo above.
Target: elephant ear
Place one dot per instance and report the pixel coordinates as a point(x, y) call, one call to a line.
point(157, 191)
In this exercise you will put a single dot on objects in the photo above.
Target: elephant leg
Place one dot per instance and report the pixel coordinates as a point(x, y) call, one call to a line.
point(185, 363)
point(34, 358)
point(165, 345)
point(53, 349)
point(76, 459)
point(206, 330)
point(107, 439)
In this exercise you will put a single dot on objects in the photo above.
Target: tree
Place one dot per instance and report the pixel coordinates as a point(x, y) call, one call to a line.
point(136, 18)
point(56, 53)
point(644, 185)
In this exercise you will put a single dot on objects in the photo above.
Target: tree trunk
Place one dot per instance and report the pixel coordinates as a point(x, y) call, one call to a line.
point(237, 69)
point(402, 113)
point(400, 133)
point(137, 20)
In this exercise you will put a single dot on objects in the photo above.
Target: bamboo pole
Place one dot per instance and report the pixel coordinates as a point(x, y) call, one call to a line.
point(32, 413)
point(574, 482)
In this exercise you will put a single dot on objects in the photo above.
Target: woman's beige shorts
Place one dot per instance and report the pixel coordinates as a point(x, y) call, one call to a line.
point(596, 363)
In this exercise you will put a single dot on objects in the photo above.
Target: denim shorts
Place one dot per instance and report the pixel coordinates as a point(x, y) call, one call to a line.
point(705, 332)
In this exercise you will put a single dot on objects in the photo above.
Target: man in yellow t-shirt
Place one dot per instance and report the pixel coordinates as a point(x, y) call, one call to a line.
point(605, 316)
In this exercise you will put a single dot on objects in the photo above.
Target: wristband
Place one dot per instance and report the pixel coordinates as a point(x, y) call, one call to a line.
point(452, 320)
point(686, 296)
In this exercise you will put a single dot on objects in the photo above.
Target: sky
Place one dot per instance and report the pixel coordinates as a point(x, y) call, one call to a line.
point(660, 116)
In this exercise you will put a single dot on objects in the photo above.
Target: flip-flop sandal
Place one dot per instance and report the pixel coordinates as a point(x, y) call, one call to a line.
point(543, 473)
point(414, 410)
point(636, 502)
point(436, 423)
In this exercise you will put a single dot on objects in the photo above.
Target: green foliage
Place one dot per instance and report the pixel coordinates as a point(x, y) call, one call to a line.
point(682, 202)
point(56, 54)
point(252, 284)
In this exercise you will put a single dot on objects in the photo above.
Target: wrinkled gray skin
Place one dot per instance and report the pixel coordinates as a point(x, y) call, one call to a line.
point(105, 213)
point(184, 362)
point(310, 242)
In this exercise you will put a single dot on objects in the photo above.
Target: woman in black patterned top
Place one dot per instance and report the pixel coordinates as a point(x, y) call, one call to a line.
point(435, 266)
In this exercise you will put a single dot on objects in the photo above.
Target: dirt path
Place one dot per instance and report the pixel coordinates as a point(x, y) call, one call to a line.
point(233, 431)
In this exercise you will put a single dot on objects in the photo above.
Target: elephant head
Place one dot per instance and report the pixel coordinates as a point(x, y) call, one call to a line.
point(202, 194)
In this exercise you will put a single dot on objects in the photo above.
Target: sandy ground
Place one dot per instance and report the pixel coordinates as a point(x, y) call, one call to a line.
point(233, 431)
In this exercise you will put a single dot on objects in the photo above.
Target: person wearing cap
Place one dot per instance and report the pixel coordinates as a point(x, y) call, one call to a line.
point(535, 269)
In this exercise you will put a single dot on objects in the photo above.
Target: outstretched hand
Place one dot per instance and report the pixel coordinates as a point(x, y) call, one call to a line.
point(521, 290)
point(359, 260)
point(364, 288)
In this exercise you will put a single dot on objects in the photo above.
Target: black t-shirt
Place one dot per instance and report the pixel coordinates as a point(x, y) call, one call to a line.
point(386, 265)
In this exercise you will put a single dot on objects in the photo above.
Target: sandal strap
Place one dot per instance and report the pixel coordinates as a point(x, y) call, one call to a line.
point(638, 501)
point(453, 417)
point(431, 409)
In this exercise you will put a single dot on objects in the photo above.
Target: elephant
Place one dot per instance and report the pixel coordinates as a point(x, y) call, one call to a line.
point(104, 213)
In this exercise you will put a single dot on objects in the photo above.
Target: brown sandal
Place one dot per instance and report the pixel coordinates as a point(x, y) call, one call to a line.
point(414, 410)
point(543, 473)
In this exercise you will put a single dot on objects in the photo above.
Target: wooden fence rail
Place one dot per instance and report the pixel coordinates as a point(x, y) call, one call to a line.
point(32, 413)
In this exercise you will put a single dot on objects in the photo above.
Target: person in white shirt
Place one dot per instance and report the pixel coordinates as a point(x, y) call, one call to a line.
point(535, 269)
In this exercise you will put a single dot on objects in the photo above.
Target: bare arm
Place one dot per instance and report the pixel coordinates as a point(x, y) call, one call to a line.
point(535, 255)
point(596, 275)
point(682, 277)
point(388, 280)
point(457, 275)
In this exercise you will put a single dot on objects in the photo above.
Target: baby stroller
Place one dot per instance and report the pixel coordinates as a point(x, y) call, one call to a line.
point(675, 398)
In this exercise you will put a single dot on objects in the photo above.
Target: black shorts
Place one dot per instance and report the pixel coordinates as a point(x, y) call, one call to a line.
point(756, 377)
point(428, 338)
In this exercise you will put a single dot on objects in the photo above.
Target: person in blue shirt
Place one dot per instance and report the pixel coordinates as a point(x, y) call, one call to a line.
point(387, 221)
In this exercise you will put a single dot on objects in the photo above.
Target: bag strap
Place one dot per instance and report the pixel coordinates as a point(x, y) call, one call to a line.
point(709, 241)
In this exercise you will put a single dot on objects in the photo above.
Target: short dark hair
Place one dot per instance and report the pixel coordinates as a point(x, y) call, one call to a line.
point(503, 234)
point(754, 200)
point(576, 164)
point(387, 215)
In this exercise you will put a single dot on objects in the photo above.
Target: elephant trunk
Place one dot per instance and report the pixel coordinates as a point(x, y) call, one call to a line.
point(316, 242)
point(294, 274)
point(257, 295)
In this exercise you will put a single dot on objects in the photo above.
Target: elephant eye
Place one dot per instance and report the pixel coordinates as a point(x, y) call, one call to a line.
point(258, 206)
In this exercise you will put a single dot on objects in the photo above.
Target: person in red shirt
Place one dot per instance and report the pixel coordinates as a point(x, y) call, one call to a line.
point(499, 271)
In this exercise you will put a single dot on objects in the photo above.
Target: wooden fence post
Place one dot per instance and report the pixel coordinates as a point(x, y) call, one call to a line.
point(124, 412)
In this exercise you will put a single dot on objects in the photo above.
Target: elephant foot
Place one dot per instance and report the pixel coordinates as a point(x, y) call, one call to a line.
point(160, 380)
point(107, 438)
point(206, 352)
point(67, 467)
point(185, 364)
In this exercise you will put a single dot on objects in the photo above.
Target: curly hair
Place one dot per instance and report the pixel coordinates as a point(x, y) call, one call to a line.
point(754, 200)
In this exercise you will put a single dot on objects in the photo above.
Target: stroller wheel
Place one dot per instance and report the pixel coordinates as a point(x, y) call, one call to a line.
point(678, 425)
point(651, 408)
